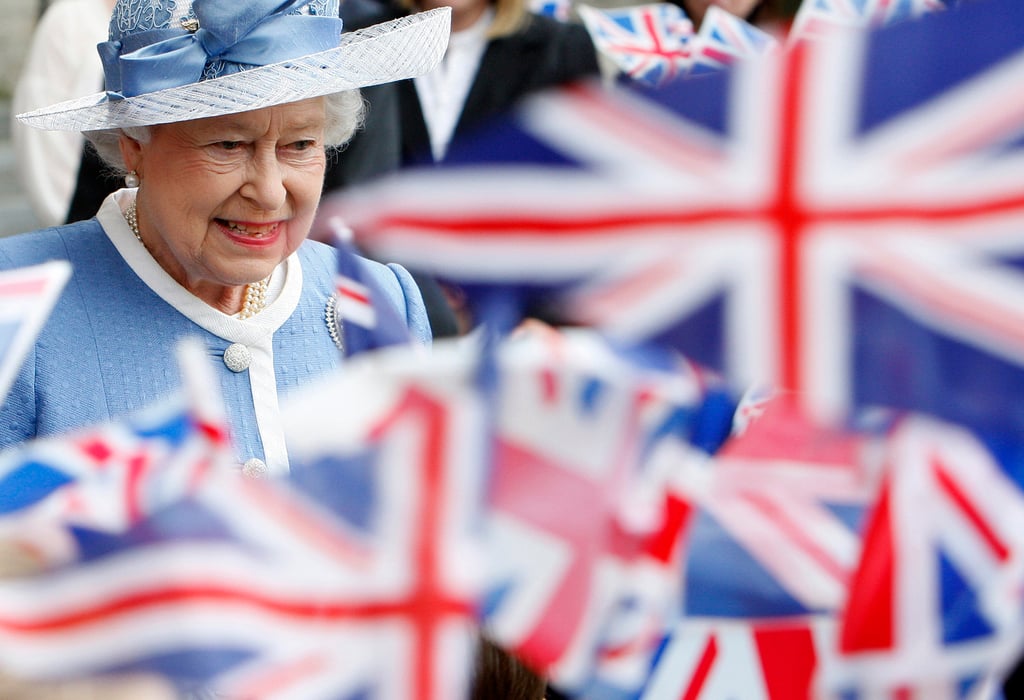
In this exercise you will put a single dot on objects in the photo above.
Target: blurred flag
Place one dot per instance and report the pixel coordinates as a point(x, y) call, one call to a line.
point(724, 39)
point(778, 529)
point(806, 220)
point(753, 659)
point(401, 466)
point(111, 476)
point(774, 541)
point(820, 18)
point(355, 577)
point(27, 296)
point(936, 599)
point(649, 43)
point(358, 315)
point(904, 584)
point(584, 529)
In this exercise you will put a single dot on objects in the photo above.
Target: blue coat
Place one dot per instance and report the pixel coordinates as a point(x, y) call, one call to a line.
point(108, 347)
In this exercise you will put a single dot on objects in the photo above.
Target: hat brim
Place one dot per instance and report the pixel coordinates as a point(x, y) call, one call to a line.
point(403, 48)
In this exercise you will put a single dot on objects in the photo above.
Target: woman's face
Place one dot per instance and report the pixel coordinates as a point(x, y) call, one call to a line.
point(223, 200)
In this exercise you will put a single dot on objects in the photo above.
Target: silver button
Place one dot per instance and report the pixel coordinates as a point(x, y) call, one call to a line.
point(254, 468)
point(237, 357)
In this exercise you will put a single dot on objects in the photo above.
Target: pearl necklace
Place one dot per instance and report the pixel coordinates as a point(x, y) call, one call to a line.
point(255, 293)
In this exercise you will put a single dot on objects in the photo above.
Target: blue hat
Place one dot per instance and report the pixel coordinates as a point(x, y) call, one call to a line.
point(175, 60)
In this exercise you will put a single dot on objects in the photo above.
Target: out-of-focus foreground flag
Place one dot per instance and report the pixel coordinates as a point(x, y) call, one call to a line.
point(584, 526)
point(27, 296)
point(827, 562)
point(842, 220)
point(359, 315)
point(355, 576)
point(111, 476)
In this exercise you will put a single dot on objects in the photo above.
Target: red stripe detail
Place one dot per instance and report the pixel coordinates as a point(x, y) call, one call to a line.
point(718, 55)
point(426, 606)
point(868, 623)
point(135, 479)
point(215, 433)
point(350, 292)
point(664, 543)
point(430, 596)
point(788, 660)
point(279, 677)
point(999, 549)
point(622, 291)
point(700, 674)
point(96, 449)
point(549, 385)
point(299, 609)
point(609, 225)
point(791, 222)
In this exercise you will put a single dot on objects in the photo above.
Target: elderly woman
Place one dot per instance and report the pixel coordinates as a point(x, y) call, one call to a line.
point(220, 114)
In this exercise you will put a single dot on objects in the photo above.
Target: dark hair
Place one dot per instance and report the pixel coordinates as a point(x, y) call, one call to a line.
point(501, 676)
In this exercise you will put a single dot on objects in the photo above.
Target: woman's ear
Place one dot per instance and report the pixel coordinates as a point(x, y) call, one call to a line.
point(131, 153)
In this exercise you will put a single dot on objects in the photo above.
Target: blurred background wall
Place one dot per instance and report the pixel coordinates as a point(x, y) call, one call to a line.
point(19, 18)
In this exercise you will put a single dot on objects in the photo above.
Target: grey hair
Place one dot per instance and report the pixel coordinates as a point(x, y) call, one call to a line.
point(344, 111)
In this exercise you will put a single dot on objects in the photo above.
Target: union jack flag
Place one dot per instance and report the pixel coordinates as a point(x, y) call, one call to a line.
point(715, 659)
point(111, 476)
point(581, 580)
point(936, 599)
point(649, 43)
point(774, 541)
point(27, 296)
point(924, 602)
point(354, 577)
point(755, 218)
point(358, 315)
point(724, 38)
point(820, 18)
point(778, 531)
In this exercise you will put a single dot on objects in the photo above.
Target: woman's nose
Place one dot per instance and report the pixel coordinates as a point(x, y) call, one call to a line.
point(264, 183)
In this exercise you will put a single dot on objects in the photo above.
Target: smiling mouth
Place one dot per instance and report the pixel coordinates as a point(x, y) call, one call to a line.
point(249, 230)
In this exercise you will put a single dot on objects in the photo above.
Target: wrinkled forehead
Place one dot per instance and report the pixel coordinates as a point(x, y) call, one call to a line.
point(131, 16)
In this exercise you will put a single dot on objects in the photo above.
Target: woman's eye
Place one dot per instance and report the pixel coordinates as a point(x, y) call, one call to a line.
point(303, 145)
point(229, 145)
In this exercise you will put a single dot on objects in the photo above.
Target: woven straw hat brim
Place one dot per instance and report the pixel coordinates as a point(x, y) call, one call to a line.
point(403, 48)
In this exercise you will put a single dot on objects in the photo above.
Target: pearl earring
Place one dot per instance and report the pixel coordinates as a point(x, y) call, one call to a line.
point(131, 179)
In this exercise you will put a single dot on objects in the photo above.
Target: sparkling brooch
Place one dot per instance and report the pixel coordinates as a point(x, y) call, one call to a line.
point(333, 324)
